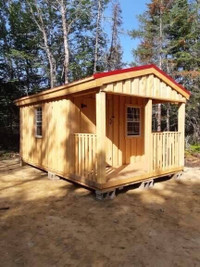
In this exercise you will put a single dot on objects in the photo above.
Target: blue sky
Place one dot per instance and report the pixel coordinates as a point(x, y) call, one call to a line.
point(130, 10)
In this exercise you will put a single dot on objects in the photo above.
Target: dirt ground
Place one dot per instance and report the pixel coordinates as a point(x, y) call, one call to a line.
point(56, 223)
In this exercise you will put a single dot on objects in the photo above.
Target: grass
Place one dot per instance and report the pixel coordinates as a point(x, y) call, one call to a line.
point(8, 154)
point(193, 150)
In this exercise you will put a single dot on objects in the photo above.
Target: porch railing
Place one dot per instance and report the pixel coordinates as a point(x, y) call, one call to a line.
point(85, 155)
point(165, 150)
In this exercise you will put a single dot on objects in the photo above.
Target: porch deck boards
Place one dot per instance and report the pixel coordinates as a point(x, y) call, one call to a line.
point(126, 171)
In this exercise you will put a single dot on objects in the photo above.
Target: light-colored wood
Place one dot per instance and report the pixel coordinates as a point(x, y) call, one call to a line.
point(165, 151)
point(85, 114)
point(149, 86)
point(115, 131)
point(101, 136)
point(126, 86)
point(121, 129)
point(135, 86)
point(130, 174)
point(118, 87)
point(181, 129)
point(85, 159)
point(147, 130)
point(21, 127)
point(121, 149)
point(109, 130)
point(52, 149)
point(143, 86)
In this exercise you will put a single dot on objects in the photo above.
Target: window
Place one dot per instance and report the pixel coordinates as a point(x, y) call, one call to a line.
point(38, 122)
point(132, 121)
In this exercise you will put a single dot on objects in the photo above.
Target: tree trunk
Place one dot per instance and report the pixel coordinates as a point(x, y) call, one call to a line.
point(113, 61)
point(38, 19)
point(52, 63)
point(159, 118)
point(98, 23)
point(168, 117)
point(160, 64)
point(65, 39)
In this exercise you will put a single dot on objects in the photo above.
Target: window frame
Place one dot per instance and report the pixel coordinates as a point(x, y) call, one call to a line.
point(40, 121)
point(126, 121)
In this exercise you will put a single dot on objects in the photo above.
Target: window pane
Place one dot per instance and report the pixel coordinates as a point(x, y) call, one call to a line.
point(133, 121)
point(38, 121)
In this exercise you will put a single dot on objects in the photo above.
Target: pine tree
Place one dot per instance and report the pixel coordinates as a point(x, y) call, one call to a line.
point(169, 31)
point(114, 57)
point(100, 39)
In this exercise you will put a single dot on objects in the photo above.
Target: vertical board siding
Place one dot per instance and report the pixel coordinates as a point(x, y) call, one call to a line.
point(109, 130)
point(84, 116)
point(115, 130)
point(61, 119)
point(121, 149)
point(52, 149)
point(145, 86)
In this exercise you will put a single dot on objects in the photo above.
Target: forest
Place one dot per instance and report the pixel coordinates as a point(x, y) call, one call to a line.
point(46, 43)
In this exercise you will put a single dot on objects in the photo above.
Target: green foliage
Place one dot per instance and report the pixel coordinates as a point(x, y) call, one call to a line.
point(170, 38)
point(114, 55)
point(24, 65)
point(195, 148)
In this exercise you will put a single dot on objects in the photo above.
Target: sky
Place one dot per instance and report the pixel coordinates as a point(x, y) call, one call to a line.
point(130, 10)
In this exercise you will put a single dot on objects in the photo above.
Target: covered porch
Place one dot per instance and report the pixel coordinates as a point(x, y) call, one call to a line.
point(109, 158)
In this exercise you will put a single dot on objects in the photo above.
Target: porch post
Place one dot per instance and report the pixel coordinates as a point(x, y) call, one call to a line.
point(181, 130)
point(101, 136)
point(148, 133)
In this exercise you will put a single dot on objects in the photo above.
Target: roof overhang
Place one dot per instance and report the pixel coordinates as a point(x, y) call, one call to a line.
point(98, 80)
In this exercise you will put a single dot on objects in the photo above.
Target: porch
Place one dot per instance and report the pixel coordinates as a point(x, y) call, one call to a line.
point(164, 159)
point(111, 156)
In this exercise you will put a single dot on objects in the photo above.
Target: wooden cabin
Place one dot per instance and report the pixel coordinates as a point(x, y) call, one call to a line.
point(98, 131)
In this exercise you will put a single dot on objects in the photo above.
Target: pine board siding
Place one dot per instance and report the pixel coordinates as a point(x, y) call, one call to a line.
point(149, 86)
point(121, 149)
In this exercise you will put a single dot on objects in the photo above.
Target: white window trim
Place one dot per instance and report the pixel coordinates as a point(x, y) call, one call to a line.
point(36, 135)
point(132, 106)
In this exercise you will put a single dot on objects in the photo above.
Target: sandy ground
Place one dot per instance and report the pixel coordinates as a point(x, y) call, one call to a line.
point(56, 223)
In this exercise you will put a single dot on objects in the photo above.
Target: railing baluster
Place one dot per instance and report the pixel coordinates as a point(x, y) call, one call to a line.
point(85, 155)
point(165, 150)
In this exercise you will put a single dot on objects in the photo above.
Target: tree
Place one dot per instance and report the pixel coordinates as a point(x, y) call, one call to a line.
point(44, 43)
point(114, 57)
point(41, 15)
point(170, 38)
point(100, 39)
point(19, 64)
point(98, 29)
point(74, 14)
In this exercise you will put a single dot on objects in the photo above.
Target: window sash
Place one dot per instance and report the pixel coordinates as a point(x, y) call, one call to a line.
point(38, 121)
point(133, 121)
